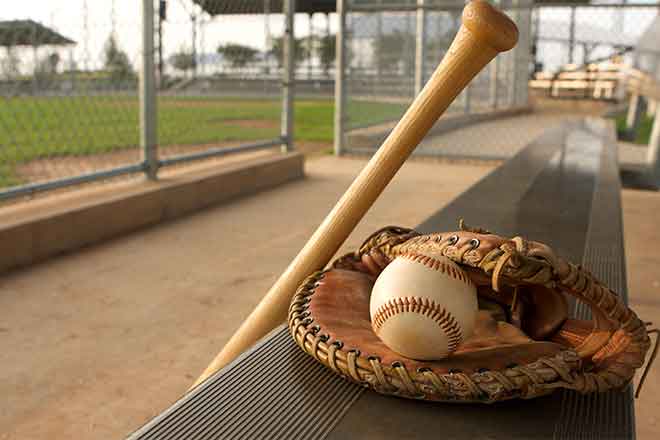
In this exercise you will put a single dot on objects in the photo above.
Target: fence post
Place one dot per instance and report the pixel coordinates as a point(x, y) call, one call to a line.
point(288, 75)
point(466, 100)
point(148, 133)
point(310, 44)
point(340, 76)
point(653, 153)
point(513, 56)
point(494, 66)
point(524, 49)
point(420, 37)
point(379, 35)
point(571, 35)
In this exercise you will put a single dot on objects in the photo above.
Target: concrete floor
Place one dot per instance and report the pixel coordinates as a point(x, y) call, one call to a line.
point(97, 342)
point(642, 241)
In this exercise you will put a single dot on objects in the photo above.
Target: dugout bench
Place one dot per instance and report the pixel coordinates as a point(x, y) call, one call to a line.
point(562, 189)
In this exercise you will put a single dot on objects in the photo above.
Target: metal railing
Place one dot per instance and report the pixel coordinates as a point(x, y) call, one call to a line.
point(109, 100)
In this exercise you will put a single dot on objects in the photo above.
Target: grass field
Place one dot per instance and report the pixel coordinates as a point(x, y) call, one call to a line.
point(644, 132)
point(33, 128)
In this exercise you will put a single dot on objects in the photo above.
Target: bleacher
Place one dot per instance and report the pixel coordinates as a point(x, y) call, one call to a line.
point(593, 81)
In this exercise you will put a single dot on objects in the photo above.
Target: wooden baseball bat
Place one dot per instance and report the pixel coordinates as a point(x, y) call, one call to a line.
point(484, 33)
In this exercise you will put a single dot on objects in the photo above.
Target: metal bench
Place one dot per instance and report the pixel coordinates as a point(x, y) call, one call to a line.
point(563, 189)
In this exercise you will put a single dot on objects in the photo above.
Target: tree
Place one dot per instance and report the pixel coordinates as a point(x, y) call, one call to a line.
point(46, 68)
point(237, 54)
point(116, 61)
point(392, 49)
point(300, 51)
point(327, 52)
point(48, 64)
point(184, 60)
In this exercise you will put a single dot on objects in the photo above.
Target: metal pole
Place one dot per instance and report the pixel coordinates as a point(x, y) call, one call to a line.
point(202, 45)
point(420, 37)
point(193, 19)
point(35, 61)
point(653, 154)
point(494, 66)
point(408, 68)
point(466, 99)
point(340, 76)
point(537, 36)
point(162, 6)
point(513, 55)
point(85, 36)
point(310, 44)
point(571, 35)
point(379, 36)
point(267, 42)
point(327, 38)
point(72, 72)
point(288, 75)
point(148, 135)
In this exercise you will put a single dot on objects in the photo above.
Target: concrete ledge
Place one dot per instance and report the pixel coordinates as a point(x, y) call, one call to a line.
point(42, 229)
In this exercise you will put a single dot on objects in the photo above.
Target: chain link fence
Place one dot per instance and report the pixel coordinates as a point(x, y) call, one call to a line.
point(68, 85)
point(572, 35)
point(221, 66)
point(392, 48)
point(217, 82)
point(580, 51)
point(220, 80)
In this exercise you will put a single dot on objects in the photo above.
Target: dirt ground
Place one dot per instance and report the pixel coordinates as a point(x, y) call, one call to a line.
point(642, 238)
point(97, 342)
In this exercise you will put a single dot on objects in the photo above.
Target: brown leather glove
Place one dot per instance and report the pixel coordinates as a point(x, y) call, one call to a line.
point(524, 344)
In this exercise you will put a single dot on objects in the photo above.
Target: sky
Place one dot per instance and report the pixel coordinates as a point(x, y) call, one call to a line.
point(90, 22)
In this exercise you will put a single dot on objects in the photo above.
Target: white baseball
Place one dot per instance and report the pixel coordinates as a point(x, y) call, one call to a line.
point(422, 307)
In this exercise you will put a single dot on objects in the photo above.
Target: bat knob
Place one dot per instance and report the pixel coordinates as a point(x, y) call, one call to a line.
point(490, 25)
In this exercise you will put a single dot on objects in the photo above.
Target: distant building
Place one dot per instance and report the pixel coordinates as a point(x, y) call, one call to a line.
point(23, 39)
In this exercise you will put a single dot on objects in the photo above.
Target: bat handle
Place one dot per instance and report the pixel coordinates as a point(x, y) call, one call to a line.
point(485, 32)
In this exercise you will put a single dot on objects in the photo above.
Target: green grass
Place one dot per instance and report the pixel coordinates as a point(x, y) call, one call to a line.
point(32, 128)
point(643, 134)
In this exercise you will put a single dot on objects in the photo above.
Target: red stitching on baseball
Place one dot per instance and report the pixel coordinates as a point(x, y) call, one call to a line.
point(438, 265)
point(426, 307)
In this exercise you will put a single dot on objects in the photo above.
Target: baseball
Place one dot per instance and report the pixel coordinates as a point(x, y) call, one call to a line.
point(422, 307)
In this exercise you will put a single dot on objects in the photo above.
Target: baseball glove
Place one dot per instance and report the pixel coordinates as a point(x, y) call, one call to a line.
point(524, 345)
